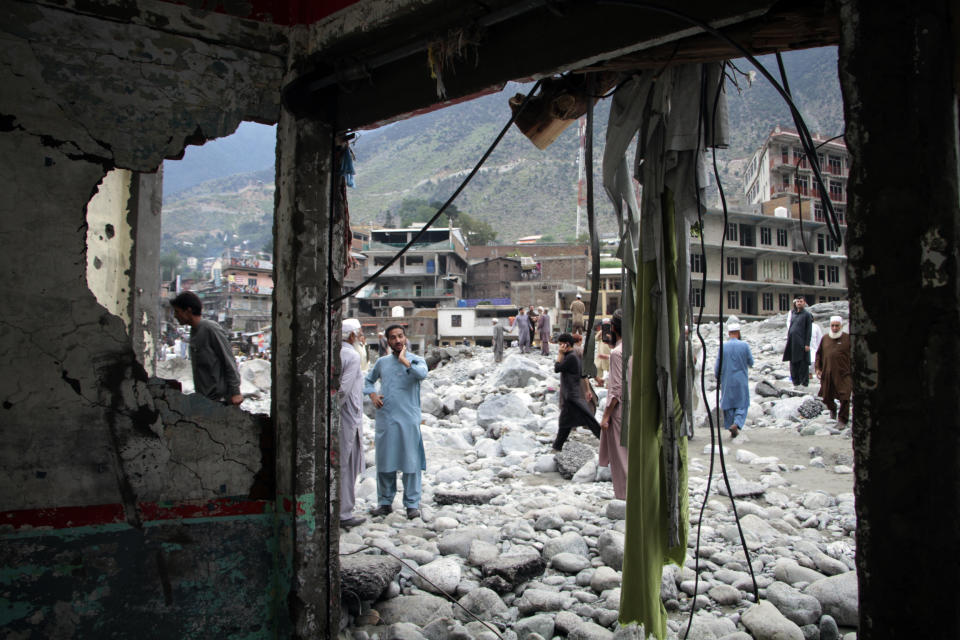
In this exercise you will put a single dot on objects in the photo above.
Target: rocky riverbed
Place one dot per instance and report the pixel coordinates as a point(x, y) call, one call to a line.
point(531, 543)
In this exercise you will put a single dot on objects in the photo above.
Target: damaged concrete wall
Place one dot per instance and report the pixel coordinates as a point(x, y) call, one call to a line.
point(121, 499)
point(900, 102)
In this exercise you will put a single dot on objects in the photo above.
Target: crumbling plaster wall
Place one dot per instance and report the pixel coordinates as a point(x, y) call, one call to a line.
point(898, 77)
point(88, 438)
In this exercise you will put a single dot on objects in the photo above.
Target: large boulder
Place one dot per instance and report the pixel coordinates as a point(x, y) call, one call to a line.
point(799, 608)
point(610, 545)
point(419, 609)
point(515, 569)
point(765, 622)
point(573, 456)
point(367, 576)
point(458, 541)
point(508, 407)
point(569, 542)
point(256, 372)
point(518, 371)
point(787, 409)
point(440, 576)
point(839, 597)
point(483, 603)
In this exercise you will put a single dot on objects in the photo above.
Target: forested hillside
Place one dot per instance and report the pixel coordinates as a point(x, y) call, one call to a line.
point(520, 191)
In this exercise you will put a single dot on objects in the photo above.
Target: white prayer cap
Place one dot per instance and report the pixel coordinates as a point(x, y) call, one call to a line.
point(836, 319)
point(733, 326)
point(494, 321)
point(349, 327)
point(540, 309)
point(579, 296)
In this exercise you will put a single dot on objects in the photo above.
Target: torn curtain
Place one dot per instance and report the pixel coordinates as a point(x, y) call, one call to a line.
point(664, 111)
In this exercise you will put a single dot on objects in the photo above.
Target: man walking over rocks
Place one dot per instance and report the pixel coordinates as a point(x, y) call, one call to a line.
point(574, 410)
point(734, 379)
point(522, 325)
point(532, 317)
point(797, 351)
point(833, 369)
point(351, 422)
point(543, 328)
point(612, 453)
point(577, 309)
point(497, 340)
point(215, 373)
point(398, 443)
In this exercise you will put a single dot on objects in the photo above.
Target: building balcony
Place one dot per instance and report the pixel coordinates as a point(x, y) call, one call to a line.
point(246, 264)
point(410, 293)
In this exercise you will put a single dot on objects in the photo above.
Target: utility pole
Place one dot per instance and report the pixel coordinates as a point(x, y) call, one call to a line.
point(581, 173)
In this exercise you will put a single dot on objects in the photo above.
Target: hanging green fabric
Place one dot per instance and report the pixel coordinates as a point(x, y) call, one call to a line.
point(647, 546)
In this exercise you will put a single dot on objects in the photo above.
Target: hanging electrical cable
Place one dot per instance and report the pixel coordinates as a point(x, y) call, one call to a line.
point(453, 196)
point(589, 339)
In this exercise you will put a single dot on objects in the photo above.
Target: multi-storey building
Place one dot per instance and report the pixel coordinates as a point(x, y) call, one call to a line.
point(433, 270)
point(241, 295)
point(766, 262)
point(779, 173)
point(780, 247)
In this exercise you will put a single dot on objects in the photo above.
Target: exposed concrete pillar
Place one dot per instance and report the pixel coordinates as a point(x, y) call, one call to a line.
point(897, 75)
point(306, 483)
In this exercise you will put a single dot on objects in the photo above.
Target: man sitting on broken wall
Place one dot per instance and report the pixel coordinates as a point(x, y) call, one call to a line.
point(215, 373)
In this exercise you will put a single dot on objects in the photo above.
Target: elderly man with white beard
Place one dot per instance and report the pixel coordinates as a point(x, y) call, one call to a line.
point(351, 422)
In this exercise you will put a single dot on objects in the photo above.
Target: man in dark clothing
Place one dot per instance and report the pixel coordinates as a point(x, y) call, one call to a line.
point(797, 352)
point(215, 372)
point(833, 369)
point(574, 410)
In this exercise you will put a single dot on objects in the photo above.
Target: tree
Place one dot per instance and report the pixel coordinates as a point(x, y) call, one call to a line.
point(168, 265)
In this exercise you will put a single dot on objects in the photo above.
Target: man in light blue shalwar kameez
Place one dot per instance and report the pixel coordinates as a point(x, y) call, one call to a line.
point(734, 381)
point(398, 443)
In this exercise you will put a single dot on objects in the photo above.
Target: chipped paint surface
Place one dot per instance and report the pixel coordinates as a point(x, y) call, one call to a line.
point(933, 258)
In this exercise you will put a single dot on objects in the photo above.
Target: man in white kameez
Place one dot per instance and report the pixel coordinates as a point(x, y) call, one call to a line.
point(351, 422)
point(497, 340)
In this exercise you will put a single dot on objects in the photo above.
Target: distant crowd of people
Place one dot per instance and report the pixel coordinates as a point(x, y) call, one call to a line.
point(393, 386)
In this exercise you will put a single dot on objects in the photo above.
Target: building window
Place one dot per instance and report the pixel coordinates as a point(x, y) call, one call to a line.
point(799, 155)
point(785, 271)
point(836, 165)
point(733, 299)
point(414, 259)
point(822, 274)
point(696, 262)
point(781, 237)
point(831, 244)
point(786, 183)
point(821, 245)
point(785, 154)
point(766, 270)
point(768, 302)
point(784, 302)
point(833, 274)
point(841, 214)
point(456, 320)
point(696, 298)
point(836, 190)
point(765, 236)
point(802, 184)
point(818, 212)
point(731, 231)
point(733, 266)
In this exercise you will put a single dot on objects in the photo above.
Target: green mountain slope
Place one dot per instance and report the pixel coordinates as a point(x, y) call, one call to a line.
point(521, 190)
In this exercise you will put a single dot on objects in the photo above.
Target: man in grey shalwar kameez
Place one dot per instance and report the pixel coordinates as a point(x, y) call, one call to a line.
point(351, 422)
point(524, 329)
point(497, 341)
point(543, 328)
point(398, 443)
